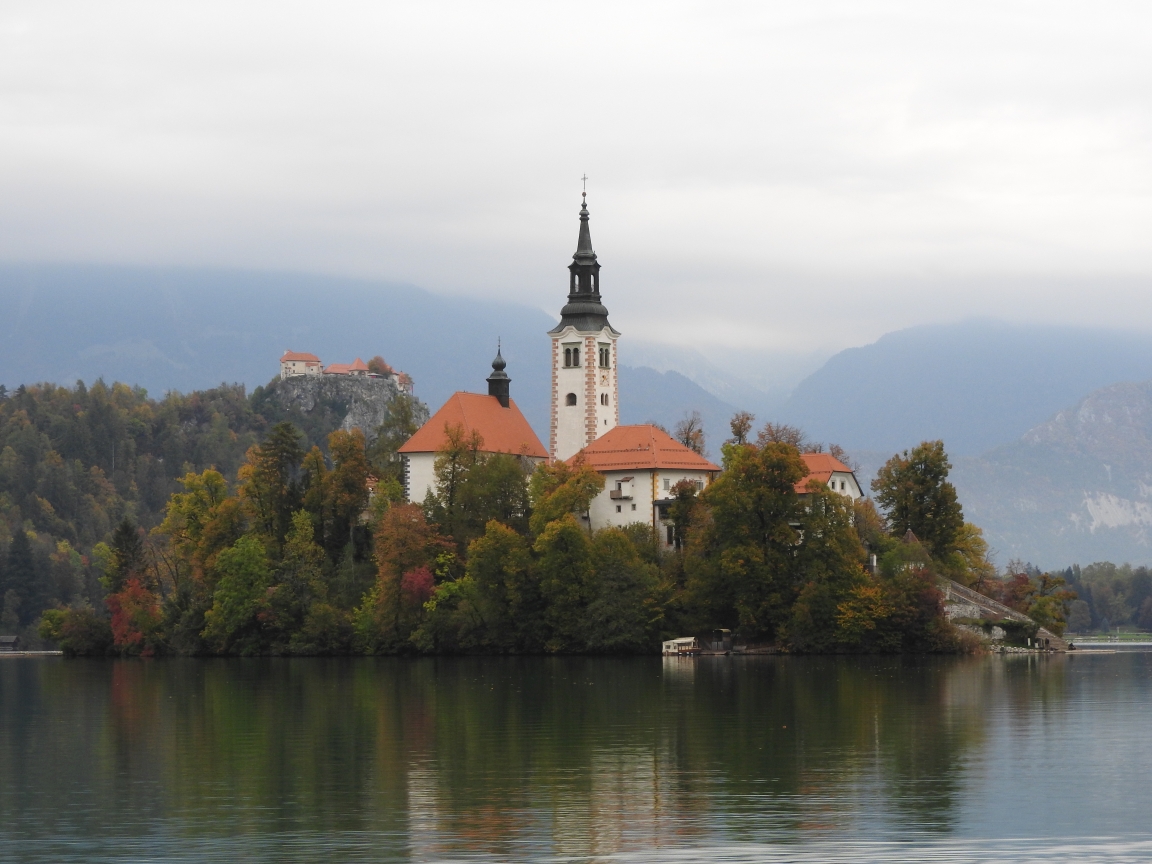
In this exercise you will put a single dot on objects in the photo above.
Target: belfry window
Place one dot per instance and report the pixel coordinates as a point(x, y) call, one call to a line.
point(570, 399)
point(603, 398)
point(605, 356)
point(571, 356)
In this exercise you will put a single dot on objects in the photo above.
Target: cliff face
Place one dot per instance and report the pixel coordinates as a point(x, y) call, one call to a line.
point(319, 404)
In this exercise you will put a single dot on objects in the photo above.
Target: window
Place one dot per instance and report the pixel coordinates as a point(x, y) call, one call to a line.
point(671, 536)
point(571, 356)
point(667, 485)
point(617, 508)
point(570, 399)
point(567, 356)
point(603, 398)
point(633, 506)
point(605, 356)
point(842, 486)
point(700, 484)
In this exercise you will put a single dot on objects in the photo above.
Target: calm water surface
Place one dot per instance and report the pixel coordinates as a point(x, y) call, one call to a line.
point(738, 759)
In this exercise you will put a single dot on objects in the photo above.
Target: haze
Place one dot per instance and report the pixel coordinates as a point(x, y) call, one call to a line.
point(767, 176)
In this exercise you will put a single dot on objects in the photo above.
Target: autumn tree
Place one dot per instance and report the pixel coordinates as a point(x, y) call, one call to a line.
point(410, 553)
point(741, 426)
point(269, 482)
point(690, 432)
point(914, 491)
point(559, 489)
point(782, 433)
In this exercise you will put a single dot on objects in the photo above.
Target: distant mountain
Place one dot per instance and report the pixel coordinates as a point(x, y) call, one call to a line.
point(188, 329)
point(976, 385)
point(1075, 489)
point(666, 397)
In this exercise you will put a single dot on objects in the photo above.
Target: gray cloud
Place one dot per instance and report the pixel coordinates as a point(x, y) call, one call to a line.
point(793, 177)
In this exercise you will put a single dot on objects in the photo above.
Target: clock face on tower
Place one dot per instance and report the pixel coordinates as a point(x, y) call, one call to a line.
point(604, 379)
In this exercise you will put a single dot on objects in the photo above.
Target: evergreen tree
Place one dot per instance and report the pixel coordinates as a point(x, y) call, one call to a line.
point(23, 579)
point(914, 491)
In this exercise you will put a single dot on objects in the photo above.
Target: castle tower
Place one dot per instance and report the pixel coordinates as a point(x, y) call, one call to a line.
point(584, 380)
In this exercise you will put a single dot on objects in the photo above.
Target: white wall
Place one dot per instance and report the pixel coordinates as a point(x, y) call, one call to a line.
point(569, 426)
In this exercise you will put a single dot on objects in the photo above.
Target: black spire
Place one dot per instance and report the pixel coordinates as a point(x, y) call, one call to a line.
point(498, 381)
point(584, 311)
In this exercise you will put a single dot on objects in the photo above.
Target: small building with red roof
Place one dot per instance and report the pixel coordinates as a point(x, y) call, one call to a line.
point(641, 466)
point(357, 368)
point(829, 471)
point(298, 363)
point(495, 416)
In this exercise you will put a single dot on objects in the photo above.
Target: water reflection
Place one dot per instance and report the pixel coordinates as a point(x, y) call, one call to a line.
point(518, 758)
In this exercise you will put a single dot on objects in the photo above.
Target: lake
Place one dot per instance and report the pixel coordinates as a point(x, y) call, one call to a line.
point(798, 759)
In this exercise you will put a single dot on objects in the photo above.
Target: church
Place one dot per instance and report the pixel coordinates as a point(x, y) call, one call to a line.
point(641, 464)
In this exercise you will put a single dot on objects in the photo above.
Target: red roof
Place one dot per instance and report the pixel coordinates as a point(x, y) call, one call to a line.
point(300, 356)
point(637, 448)
point(358, 366)
point(821, 467)
point(504, 430)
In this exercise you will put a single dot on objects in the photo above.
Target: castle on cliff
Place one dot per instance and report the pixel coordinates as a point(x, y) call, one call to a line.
point(294, 363)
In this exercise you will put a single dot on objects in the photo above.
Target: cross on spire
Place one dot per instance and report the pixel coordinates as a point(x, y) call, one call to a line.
point(584, 180)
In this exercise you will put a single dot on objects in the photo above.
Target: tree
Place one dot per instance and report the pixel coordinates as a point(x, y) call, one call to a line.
point(240, 602)
point(508, 604)
point(914, 491)
point(347, 485)
point(782, 433)
point(740, 563)
point(404, 416)
point(690, 432)
point(560, 489)
point(23, 599)
point(128, 560)
point(828, 564)
point(405, 543)
point(269, 482)
point(377, 366)
point(623, 611)
point(741, 426)
point(564, 562)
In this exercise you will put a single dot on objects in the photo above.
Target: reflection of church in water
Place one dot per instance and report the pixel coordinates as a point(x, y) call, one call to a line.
point(641, 464)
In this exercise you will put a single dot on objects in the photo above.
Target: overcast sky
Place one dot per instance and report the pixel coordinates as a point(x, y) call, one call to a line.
point(779, 176)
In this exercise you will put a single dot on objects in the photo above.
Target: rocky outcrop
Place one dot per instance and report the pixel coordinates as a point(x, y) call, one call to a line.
point(362, 403)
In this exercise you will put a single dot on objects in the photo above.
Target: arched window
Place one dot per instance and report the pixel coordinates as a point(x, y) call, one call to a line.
point(570, 399)
point(603, 398)
point(575, 356)
point(567, 356)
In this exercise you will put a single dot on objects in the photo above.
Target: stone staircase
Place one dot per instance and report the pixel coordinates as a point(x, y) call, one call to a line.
point(961, 602)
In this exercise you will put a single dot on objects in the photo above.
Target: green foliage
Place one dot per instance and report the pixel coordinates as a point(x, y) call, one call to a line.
point(565, 567)
point(914, 491)
point(77, 632)
point(240, 601)
point(624, 611)
point(560, 489)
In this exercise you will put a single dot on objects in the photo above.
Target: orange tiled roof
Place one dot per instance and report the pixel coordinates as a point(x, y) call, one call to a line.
point(302, 356)
point(821, 467)
point(504, 430)
point(337, 368)
point(358, 366)
point(629, 448)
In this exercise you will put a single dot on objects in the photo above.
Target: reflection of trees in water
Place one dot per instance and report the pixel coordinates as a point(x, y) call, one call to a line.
point(504, 755)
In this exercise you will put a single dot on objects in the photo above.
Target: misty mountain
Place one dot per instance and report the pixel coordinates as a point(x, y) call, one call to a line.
point(1075, 489)
point(187, 329)
point(976, 384)
point(648, 396)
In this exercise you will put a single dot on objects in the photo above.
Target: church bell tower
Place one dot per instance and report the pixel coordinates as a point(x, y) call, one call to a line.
point(584, 365)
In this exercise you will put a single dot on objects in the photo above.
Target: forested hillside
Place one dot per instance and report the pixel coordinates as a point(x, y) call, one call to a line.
point(77, 461)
